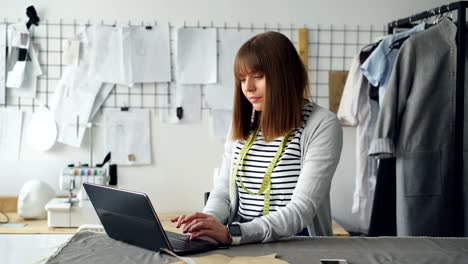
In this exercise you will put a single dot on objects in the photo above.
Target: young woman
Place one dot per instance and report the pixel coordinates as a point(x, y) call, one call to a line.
point(280, 158)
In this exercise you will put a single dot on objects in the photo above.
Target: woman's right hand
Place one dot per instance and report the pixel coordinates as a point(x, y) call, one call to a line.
point(200, 224)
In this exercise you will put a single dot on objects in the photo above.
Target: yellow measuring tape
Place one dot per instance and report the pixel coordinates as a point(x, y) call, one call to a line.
point(266, 183)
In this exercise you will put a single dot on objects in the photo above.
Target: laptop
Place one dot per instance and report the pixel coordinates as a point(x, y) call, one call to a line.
point(129, 217)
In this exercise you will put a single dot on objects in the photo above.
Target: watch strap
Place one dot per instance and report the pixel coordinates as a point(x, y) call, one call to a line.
point(236, 240)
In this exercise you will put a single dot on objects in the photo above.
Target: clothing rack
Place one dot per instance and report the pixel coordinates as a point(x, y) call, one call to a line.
point(460, 8)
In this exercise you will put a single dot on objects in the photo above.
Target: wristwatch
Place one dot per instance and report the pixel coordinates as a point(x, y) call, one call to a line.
point(235, 233)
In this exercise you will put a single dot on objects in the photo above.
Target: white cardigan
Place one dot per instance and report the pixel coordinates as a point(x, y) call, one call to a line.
point(321, 144)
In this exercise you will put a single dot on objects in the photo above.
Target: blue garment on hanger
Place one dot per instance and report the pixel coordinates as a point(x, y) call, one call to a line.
point(378, 66)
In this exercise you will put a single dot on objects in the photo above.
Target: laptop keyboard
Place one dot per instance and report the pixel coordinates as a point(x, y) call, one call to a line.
point(186, 244)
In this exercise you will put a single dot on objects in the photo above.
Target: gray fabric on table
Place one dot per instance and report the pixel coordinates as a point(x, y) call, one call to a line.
point(89, 247)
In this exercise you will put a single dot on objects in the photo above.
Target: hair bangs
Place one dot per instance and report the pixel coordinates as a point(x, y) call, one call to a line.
point(247, 61)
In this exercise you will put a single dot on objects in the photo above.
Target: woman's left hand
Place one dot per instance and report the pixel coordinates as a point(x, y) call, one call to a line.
point(200, 224)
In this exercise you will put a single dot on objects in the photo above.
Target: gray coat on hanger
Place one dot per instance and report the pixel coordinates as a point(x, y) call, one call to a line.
point(416, 124)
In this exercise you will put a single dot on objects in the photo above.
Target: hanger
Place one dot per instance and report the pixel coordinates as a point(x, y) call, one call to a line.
point(449, 14)
point(433, 17)
point(413, 23)
point(440, 16)
point(398, 43)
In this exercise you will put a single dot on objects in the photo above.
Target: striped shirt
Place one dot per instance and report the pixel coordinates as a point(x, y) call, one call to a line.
point(283, 178)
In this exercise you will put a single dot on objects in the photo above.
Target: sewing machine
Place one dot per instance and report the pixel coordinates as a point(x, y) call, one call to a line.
point(75, 211)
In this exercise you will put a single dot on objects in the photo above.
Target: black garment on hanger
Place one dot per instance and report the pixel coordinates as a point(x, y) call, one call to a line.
point(383, 213)
point(383, 216)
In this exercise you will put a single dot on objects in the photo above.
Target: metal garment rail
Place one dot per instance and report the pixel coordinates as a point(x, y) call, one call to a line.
point(460, 7)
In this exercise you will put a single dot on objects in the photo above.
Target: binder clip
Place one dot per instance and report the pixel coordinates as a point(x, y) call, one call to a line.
point(32, 15)
point(180, 112)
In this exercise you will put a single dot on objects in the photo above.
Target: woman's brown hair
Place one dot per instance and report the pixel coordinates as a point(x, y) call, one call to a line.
point(272, 54)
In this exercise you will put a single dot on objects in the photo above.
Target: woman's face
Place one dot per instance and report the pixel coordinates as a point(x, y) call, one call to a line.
point(254, 88)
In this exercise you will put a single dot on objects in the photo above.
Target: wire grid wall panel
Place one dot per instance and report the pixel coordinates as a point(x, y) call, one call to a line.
point(331, 48)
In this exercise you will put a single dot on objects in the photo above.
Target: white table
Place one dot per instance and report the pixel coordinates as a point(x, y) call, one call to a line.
point(29, 248)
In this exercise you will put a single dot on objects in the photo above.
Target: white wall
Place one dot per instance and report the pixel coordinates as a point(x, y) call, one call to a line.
point(183, 156)
point(338, 12)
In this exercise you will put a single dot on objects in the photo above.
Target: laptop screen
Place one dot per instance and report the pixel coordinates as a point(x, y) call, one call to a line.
point(128, 216)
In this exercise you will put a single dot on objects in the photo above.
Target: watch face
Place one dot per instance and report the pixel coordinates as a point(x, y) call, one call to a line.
point(235, 230)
